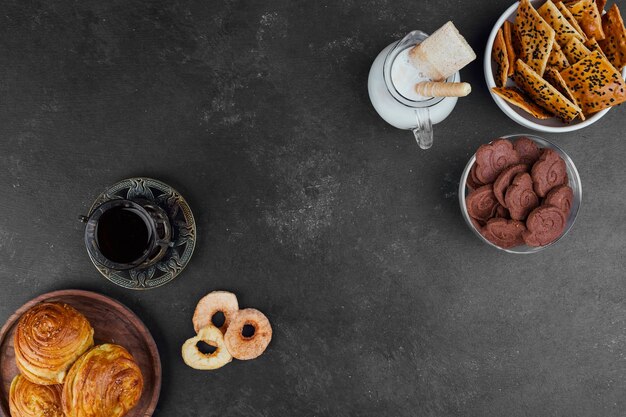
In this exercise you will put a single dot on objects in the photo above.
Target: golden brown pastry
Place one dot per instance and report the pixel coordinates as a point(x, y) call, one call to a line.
point(27, 399)
point(104, 382)
point(48, 339)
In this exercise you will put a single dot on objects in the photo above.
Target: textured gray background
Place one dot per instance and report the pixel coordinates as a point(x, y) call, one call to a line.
point(309, 207)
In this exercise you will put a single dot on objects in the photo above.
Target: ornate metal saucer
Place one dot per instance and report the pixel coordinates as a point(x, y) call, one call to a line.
point(183, 233)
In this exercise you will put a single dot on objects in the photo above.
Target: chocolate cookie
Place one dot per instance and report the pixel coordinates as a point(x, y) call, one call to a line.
point(548, 172)
point(504, 233)
point(545, 224)
point(493, 158)
point(561, 197)
point(528, 150)
point(473, 182)
point(520, 198)
point(504, 180)
point(502, 212)
point(477, 224)
point(481, 203)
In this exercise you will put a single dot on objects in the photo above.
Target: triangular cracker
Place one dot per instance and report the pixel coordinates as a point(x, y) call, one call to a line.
point(563, 30)
point(517, 43)
point(595, 83)
point(575, 50)
point(614, 45)
point(593, 45)
point(557, 58)
point(543, 93)
point(509, 32)
point(498, 54)
point(536, 37)
point(588, 17)
point(600, 5)
point(553, 77)
point(570, 19)
point(517, 98)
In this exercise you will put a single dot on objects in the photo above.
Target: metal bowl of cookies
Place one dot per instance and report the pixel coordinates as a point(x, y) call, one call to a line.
point(520, 193)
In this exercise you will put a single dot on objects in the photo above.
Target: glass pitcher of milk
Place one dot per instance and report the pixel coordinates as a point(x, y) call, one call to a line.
point(391, 86)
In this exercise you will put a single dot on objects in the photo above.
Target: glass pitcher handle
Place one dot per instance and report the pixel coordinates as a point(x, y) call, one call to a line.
point(423, 131)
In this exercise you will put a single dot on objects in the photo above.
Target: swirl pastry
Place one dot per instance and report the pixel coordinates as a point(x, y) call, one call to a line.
point(48, 339)
point(27, 399)
point(104, 382)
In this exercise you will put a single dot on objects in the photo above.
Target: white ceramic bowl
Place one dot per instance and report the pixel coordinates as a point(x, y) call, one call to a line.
point(552, 125)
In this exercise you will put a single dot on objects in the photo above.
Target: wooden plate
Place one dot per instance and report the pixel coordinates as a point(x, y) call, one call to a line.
point(112, 323)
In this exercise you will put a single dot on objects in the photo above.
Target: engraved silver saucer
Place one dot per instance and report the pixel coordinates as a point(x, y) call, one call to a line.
point(183, 233)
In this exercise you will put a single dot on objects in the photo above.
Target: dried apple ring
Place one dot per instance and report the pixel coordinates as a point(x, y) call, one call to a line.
point(243, 346)
point(212, 336)
point(215, 302)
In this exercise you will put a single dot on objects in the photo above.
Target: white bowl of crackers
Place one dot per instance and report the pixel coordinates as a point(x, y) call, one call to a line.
point(557, 66)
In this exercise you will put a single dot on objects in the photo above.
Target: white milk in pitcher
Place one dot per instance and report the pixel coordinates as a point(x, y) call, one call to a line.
point(404, 76)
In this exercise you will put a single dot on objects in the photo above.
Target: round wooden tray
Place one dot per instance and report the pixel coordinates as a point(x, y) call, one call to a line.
point(112, 323)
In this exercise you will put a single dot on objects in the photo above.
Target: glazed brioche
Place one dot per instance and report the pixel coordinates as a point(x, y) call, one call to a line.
point(27, 399)
point(104, 382)
point(48, 339)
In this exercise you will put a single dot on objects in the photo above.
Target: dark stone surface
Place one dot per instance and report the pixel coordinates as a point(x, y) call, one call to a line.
point(309, 207)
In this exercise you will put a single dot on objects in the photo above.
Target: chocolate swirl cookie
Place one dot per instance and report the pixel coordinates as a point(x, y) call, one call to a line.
point(502, 212)
point(545, 224)
point(504, 180)
point(493, 158)
point(528, 150)
point(472, 182)
point(548, 172)
point(561, 197)
point(520, 198)
point(504, 233)
point(482, 203)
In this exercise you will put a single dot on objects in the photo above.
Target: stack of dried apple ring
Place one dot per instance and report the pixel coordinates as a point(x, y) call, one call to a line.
point(244, 335)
